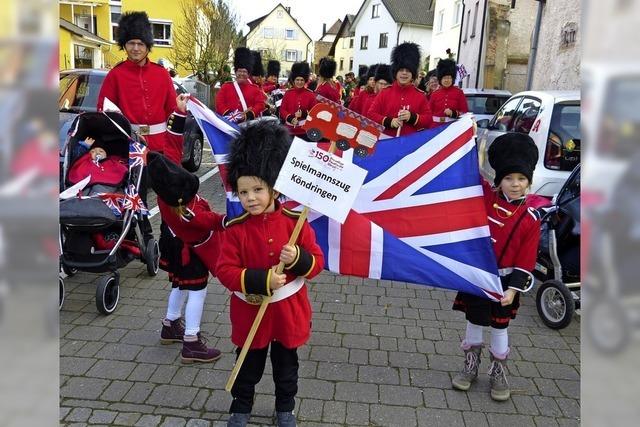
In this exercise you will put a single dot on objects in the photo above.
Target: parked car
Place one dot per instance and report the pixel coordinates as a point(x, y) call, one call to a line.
point(552, 119)
point(79, 93)
point(484, 103)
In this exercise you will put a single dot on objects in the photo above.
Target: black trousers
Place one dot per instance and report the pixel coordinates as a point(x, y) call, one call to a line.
point(284, 362)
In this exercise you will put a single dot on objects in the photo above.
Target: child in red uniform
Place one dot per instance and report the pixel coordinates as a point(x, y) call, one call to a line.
point(253, 244)
point(515, 232)
point(189, 249)
point(327, 86)
point(448, 102)
point(297, 101)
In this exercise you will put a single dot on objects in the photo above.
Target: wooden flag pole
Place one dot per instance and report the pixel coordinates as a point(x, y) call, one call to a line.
point(266, 300)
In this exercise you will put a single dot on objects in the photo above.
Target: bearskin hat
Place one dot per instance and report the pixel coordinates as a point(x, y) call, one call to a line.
point(258, 68)
point(405, 55)
point(171, 182)
point(432, 73)
point(327, 68)
point(362, 74)
point(371, 72)
point(242, 58)
point(259, 149)
point(446, 67)
point(273, 68)
point(513, 152)
point(299, 69)
point(134, 25)
point(383, 72)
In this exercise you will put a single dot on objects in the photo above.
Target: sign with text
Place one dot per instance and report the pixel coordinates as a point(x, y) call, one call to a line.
point(322, 181)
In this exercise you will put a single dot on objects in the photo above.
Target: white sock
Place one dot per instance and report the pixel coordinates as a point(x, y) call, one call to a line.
point(193, 311)
point(176, 301)
point(499, 343)
point(473, 336)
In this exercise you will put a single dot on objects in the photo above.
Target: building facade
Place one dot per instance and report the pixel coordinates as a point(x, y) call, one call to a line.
point(342, 46)
point(322, 47)
point(447, 21)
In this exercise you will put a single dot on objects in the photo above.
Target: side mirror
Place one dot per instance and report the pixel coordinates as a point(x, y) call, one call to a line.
point(484, 123)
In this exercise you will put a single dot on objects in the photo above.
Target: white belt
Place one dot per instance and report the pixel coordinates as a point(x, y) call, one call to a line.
point(442, 119)
point(150, 129)
point(505, 271)
point(279, 294)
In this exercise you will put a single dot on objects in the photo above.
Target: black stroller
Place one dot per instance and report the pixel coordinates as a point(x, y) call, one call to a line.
point(558, 263)
point(98, 230)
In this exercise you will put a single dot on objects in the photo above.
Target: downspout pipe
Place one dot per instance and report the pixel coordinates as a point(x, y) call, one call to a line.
point(481, 50)
point(534, 45)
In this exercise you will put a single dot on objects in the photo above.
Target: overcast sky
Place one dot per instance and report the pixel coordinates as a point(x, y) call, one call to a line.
point(310, 14)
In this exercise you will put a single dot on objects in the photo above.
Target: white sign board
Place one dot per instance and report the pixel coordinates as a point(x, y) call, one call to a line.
point(322, 181)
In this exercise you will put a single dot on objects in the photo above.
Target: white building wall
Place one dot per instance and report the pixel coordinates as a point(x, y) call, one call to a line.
point(448, 37)
point(472, 43)
point(345, 53)
point(372, 27)
point(422, 36)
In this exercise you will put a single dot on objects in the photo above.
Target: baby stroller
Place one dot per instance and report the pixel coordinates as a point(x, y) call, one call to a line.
point(98, 230)
point(558, 263)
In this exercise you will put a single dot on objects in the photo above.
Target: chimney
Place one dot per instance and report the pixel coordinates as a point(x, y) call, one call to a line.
point(324, 29)
point(288, 9)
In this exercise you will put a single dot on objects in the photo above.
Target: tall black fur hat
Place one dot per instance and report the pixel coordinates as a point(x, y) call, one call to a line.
point(259, 150)
point(134, 25)
point(371, 72)
point(242, 58)
point(362, 74)
point(446, 67)
point(273, 68)
point(432, 73)
point(258, 68)
point(300, 69)
point(405, 55)
point(513, 152)
point(383, 72)
point(327, 67)
point(172, 183)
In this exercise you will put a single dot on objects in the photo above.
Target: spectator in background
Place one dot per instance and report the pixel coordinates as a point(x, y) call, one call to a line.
point(328, 87)
point(312, 82)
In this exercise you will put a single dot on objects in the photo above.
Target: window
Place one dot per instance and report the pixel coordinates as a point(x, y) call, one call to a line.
point(351, 43)
point(82, 56)
point(341, 64)
point(291, 55)
point(267, 32)
point(526, 115)
point(475, 19)
point(116, 12)
point(161, 33)
point(85, 22)
point(440, 21)
point(563, 144)
point(375, 11)
point(502, 120)
point(289, 34)
point(457, 13)
point(384, 40)
point(466, 29)
point(350, 64)
point(364, 42)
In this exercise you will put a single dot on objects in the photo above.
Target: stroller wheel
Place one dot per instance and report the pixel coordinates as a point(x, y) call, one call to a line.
point(555, 304)
point(107, 294)
point(152, 257)
point(607, 325)
point(69, 271)
point(61, 285)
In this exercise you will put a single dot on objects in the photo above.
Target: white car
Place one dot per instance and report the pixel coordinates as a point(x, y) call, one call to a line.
point(484, 103)
point(552, 119)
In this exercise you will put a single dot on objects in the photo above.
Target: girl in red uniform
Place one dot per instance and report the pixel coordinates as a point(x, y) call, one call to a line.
point(448, 102)
point(515, 232)
point(367, 94)
point(328, 87)
point(298, 100)
point(254, 243)
point(189, 248)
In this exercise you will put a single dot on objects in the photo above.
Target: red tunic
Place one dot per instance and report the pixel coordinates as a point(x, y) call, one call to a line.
point(451, 97)
point(110, 171)
point(227, 100)
point(330, 90)
point(366, 99)
point(146, 96)
point(255, 243)
point(269, 87)
point(392, 99)
point(296, 99)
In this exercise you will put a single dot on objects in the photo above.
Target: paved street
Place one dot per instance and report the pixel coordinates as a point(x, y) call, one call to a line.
point(381, 354)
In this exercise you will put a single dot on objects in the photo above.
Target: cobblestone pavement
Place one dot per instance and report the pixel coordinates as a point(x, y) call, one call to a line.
point(381, 354)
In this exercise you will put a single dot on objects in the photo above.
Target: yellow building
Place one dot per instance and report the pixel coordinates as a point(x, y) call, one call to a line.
point(88, 29)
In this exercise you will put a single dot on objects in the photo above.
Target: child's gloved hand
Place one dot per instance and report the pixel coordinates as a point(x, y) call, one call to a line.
point(288, 254)
point(509, 294)
point(276, 280)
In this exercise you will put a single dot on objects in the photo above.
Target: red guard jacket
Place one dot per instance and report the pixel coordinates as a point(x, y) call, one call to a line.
point(227, 100)
point(269, 87)
point(296, 99)
point(451, 97)
point(251, 246)
point(330, 90)
point(365, 99)
point(146, 96)
point(394, 98)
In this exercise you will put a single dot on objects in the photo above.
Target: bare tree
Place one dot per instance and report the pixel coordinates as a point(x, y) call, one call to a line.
point(205, 39)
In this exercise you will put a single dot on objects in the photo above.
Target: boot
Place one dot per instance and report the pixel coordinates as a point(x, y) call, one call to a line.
point(238, 420)
point(285, 419)
point(463, 379)
point(498, 379)
point(194, 349)
point(172, 331)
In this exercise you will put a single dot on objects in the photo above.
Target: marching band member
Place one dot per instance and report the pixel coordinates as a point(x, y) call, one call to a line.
point(448, 102)
point(298, 100)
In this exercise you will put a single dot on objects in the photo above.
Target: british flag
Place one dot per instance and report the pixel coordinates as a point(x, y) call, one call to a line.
point(132, 200)
point(137, 154)
point(418, 218)
point(113, 202)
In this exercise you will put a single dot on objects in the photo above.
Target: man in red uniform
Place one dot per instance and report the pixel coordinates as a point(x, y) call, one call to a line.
point(328, 87)
point(402, 105)
point(273, 72)
point(367, 94)
point(257, 71)
point(241, 100)
point(298, 100)
point(448, 102)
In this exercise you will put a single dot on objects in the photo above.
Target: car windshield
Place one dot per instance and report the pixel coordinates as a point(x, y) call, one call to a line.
point(79, 92)
point(485, 104)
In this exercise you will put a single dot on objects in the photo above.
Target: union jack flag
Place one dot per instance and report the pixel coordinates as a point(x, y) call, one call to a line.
point(137, 154)
point(235, 116)
point(132, 201)
point(113, 202)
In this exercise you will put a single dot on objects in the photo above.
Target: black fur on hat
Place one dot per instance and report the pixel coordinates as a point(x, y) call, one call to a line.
point(446, 67)
point(242, 58)
point(134, 25)
point(273, 68)
point(371, 72)
point(362, 74)
point(172, 183)
point(432, 73)
point(513, 152)
point(258, 150)
point(405, 55)
point(327, 68)
point(258, 68)
point(383, 72)
point(299, 69)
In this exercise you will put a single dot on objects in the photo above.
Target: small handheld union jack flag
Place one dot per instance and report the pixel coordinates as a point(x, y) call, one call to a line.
point(113, 202)
point(133, 201)
point(235, 116)
point(137, 154)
